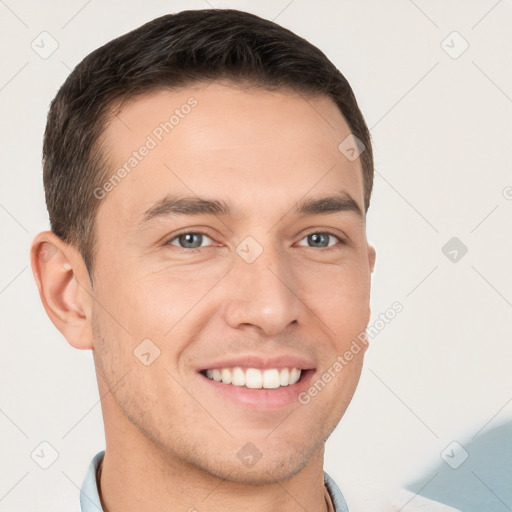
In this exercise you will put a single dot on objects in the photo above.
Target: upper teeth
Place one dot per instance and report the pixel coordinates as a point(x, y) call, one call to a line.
point(254, 378)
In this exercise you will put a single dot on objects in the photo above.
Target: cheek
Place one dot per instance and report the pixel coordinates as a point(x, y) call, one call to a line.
point(136, 363)
point(145, 304)
point(165, 307)
point(339, 296)
point(163, 303)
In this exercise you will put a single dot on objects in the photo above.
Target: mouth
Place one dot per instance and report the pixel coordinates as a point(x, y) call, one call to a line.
point(264, 382)
point(255, 378)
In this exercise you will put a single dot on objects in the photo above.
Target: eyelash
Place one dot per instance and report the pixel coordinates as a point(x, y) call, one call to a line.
point(201, 232)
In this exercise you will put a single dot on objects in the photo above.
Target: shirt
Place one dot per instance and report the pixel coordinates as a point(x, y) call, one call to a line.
point(90, 499)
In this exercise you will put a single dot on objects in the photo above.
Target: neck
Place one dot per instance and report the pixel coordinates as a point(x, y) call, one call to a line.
point(141, 480)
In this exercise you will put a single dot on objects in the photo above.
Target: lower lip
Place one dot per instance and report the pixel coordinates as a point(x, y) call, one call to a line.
point(265, 399)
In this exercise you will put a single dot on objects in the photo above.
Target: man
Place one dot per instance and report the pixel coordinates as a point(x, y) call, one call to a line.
point(207, 177)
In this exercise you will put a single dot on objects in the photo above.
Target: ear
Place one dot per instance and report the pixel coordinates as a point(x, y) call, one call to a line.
point(371, 257)
point(371, 264)
point(64, 287)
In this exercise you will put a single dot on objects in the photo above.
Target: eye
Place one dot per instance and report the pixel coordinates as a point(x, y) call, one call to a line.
point(189, 240)
point(320, 240)
point(194, 240)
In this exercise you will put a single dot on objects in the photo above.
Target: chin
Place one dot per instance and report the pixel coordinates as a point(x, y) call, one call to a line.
point(267, 467)
point(262, 473)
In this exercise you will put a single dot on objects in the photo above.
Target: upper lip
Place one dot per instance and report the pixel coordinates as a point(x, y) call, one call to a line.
point(261, 361)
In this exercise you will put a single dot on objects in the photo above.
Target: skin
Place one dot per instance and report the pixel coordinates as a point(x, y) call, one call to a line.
point(171, 442)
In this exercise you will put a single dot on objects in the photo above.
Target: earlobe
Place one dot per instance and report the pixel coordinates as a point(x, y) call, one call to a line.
point(63, 285)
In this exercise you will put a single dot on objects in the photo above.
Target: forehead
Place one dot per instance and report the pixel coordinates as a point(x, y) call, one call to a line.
point(251, 147)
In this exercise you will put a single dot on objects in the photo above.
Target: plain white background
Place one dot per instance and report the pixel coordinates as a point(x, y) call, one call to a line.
point(438, 374)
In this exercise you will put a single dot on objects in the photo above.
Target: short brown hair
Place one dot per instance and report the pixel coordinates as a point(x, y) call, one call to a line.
point(172, 51)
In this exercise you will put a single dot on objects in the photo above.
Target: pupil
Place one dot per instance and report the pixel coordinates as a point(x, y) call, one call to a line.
point(315, 237)
point(188, 238)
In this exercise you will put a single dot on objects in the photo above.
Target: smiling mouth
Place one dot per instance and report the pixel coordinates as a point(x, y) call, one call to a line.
point(255, 378)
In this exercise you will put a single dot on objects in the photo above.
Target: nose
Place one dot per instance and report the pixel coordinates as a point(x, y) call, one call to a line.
point(263, 294)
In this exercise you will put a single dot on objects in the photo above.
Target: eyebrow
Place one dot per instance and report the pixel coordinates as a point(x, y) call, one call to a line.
point(188, 205)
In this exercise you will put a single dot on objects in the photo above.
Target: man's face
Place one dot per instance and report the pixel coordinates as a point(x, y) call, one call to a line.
point(262, 287)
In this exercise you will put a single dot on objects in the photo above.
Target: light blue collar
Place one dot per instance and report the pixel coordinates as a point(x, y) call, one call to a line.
point(89, 497)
